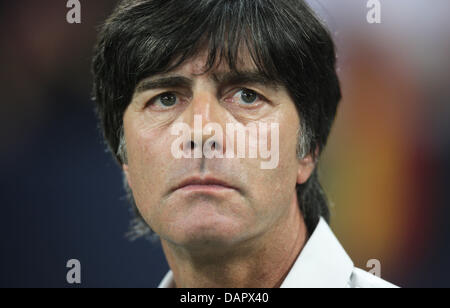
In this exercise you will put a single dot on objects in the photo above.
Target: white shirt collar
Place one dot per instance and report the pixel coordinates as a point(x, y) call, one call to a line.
point(322, 263)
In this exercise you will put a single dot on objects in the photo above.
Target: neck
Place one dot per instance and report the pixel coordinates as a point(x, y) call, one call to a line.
point(264, 262)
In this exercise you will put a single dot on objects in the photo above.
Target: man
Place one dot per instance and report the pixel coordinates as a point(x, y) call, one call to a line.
point(225, 220)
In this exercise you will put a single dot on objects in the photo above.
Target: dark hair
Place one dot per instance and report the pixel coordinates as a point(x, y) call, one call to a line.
point(285, 39)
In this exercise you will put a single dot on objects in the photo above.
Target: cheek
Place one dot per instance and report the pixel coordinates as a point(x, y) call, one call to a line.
point(146, 144)
point(147, 160)
point(277, 184)
point(286, 171)
point(146, 136)
point(281, 132)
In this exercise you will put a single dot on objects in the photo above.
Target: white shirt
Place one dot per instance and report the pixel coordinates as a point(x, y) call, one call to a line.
point(322, 263)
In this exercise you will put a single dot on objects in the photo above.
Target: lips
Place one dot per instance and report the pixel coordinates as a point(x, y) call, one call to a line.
point(203, 182)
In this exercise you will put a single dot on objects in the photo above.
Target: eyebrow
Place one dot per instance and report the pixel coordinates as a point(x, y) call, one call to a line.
point(164, 82)
point(245, 77)
point(223, 79)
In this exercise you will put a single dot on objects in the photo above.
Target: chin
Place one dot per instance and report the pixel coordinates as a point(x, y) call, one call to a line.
point(208, 234)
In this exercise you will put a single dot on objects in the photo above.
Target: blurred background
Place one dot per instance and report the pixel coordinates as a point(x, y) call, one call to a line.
point(386, 168)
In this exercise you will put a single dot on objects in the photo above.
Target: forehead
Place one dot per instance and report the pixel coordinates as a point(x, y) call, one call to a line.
point(242, 70)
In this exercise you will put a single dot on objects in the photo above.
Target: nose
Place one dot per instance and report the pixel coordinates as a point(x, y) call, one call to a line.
point(206, 118)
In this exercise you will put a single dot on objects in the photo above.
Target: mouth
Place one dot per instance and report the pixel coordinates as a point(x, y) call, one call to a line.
point(207, 184)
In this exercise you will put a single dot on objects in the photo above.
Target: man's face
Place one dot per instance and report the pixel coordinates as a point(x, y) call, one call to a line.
point(210, 215)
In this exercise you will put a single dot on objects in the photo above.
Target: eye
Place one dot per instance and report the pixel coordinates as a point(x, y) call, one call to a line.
point(246, 97)
point(164, 100)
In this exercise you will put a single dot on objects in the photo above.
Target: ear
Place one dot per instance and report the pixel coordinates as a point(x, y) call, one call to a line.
point(306, 167)
point(127, 174)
